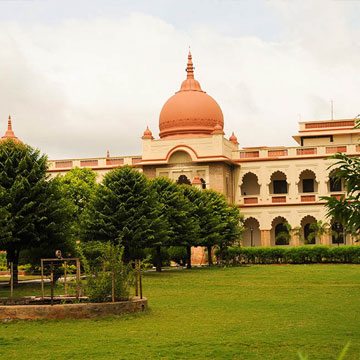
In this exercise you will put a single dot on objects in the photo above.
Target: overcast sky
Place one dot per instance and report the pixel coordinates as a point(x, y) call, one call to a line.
point(83, 76)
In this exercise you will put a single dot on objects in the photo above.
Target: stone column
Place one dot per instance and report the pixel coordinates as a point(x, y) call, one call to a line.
point(294, 240)
point(325, 239)
point(265, 238)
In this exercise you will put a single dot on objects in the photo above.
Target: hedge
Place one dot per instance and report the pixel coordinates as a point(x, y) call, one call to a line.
point(290, 255)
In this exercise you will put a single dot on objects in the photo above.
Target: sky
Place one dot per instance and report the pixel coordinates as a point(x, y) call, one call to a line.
point(82, 77)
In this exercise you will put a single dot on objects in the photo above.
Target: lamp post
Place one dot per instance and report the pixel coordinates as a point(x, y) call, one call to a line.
point(252, 235)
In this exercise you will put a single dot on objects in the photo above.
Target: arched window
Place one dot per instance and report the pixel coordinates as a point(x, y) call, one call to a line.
point(307, 232)
point(335, 184)
point(278, 184)
point(250, 184)
point(183, 180)
point(281, 234)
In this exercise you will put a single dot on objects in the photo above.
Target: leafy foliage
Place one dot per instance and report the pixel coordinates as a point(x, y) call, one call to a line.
point(100, 274)
point(346, 210)
point(34, 214)
point(125, 209)
point(293, 255)
point(78, 185)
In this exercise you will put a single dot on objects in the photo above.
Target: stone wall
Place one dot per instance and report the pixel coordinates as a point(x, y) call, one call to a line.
point(71, 311)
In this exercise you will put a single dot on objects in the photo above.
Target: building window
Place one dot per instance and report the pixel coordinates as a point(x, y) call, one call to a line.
point(308, 185)
point(280, 187)
point(335, 184)
point(183, 180)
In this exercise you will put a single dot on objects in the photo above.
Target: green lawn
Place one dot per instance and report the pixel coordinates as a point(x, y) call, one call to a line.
point(255, 312)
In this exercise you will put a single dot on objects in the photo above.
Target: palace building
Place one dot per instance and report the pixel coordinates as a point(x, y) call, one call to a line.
point(271, 185)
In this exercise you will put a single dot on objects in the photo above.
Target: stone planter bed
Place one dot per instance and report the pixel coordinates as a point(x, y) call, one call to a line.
point(35, 308)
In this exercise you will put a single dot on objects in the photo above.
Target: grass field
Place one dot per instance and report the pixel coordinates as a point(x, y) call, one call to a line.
point(255, 312)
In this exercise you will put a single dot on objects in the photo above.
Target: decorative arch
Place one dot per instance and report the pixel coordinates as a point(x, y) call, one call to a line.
point(185, 148)
point(306, 230)
point(252, 233)
point(274, 174)
point(304, 171)
point(278, 183)
point(332, 182)
point(249, 172)
point(307, 182)
point(250, 184)
point(277, 227)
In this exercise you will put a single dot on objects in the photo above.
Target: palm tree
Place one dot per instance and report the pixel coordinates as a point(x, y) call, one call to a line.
point(288, 232)
point(318, 229)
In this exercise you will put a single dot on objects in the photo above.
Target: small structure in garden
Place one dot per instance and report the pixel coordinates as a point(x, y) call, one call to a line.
point(112, 276)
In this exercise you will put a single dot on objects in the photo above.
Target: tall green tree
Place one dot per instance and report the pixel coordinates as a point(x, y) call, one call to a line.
point(318, 229)
point(219, 223)
point(125, 210)
point(78, 185)
point(191, 238)
point(33, 212)
point(176, 211)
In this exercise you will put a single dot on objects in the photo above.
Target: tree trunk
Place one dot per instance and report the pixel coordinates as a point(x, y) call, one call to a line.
point(13, 256)
point(126, 255)
point(210, 262)
point(188, 250)
point(158, 258)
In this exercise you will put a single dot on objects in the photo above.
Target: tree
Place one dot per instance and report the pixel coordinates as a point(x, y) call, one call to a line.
point(346, 210)
point(219, 224)
point(176, 210)
point(78, 185)
point(191, 238)
point(285, 235)
point(124, 209)
point(318, 229)
point(34, 214)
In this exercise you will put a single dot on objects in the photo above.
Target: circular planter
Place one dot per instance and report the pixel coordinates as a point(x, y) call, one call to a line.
point(83, 310)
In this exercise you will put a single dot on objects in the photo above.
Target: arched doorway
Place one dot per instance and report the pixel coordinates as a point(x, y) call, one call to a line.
point(252, 234)
point(279, 233)
point(307, 230)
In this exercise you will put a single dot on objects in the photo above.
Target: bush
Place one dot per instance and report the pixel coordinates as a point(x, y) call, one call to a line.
point(348, 254)
point(99, 274)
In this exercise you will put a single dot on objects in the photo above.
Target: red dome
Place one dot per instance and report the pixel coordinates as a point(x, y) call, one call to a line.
point(190, 112)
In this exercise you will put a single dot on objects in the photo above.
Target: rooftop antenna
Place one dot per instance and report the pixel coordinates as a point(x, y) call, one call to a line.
point(332, 109)
point(299, 116)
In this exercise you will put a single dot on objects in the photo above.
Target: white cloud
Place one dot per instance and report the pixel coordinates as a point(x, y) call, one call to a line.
point(78, 87)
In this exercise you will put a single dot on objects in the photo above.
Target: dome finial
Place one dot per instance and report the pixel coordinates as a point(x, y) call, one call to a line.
point(147, 134)
point(233, 139)
point(9, 134)
point(190, 67)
